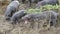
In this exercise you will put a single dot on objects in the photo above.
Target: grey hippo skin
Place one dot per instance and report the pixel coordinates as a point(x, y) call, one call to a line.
point(53, 17)
point(30, 1)
point(52, 2)
point(11, 9)
point(50, 15)
point(44, 2)
point(17, 16)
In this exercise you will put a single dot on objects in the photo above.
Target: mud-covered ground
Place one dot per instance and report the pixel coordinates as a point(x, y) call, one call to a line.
point(7, 28)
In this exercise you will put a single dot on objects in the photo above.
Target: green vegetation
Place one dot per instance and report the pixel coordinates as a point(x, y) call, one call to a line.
point(33, 11)
point(49, 7)
point(43, 8)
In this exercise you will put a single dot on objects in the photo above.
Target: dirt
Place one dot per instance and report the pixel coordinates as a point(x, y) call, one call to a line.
point(7, 28)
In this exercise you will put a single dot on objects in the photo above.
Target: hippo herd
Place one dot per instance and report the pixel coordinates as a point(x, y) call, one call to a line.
point(14, 15)
point(39, 2)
